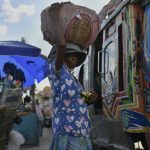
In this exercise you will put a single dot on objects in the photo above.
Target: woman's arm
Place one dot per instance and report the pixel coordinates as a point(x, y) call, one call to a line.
point(59, 36)
point(60, 55)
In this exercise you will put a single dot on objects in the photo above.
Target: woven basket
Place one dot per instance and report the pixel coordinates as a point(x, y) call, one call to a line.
point(79, 31)
point(80, 25)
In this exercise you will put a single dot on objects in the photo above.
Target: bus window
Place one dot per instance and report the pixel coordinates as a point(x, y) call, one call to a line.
point(81, 75)
point(120, 60)
point(112, 65)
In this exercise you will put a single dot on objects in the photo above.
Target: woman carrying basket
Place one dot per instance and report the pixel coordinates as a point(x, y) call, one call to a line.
point(71, 122)
point(70, 119)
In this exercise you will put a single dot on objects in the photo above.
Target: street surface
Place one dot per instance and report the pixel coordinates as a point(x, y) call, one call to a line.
point(46, 138)
point(44, 141)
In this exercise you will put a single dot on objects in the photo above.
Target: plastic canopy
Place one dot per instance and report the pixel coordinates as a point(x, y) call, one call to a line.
point(18, 48)
point(34, 68)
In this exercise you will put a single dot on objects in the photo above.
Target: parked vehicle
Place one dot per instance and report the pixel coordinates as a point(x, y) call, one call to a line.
point(119, 67)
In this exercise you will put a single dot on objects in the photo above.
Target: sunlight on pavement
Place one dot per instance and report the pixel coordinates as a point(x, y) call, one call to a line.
point(138, 145)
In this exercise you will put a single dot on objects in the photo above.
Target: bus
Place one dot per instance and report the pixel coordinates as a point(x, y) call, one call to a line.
point(118, 68)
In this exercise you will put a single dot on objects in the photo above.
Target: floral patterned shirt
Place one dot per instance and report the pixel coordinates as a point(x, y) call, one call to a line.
point(70, 113)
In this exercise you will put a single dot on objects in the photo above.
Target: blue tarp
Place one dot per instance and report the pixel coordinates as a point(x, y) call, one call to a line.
point(18, 48)
point(25, 57)
point(33, 67)
point(29, 129)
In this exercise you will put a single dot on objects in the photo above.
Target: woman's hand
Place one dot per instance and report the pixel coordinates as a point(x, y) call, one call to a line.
point(93, 96)
point(90, 97)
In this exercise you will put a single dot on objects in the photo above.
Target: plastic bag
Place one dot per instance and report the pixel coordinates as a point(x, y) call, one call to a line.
point(16, 140)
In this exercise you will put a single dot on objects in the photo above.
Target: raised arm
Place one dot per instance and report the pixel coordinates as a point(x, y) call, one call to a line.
point(61, 47)
point(59, 38)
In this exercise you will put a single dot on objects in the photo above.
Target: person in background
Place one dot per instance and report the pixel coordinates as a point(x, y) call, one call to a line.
point(27, 103)
point(9, 69)
point(71, 122)
point(47, 108)
point(15, 77)
point(39, 112)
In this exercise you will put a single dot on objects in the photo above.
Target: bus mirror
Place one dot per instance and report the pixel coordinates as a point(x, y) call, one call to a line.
point(103, 62)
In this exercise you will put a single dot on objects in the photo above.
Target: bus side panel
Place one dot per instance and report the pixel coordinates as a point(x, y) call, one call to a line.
point(132, 111)
point(146, 61)
point(122, 86)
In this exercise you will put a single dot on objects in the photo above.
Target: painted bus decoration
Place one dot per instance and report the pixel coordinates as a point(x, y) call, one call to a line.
point(119, 67)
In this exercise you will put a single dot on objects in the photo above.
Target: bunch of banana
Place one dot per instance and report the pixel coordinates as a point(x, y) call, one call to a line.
point(86, 96)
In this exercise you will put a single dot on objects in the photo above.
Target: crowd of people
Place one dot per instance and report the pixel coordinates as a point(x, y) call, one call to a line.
point(42, 108)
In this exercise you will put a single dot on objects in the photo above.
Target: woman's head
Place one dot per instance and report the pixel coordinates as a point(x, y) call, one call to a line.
point(74, 56)
point(9, 68)
point(71, 60)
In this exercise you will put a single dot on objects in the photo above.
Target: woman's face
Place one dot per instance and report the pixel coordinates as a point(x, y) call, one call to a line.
point(71, 60)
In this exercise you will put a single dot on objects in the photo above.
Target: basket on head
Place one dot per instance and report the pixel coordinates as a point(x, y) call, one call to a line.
point(80, 25)
point(79, 30)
